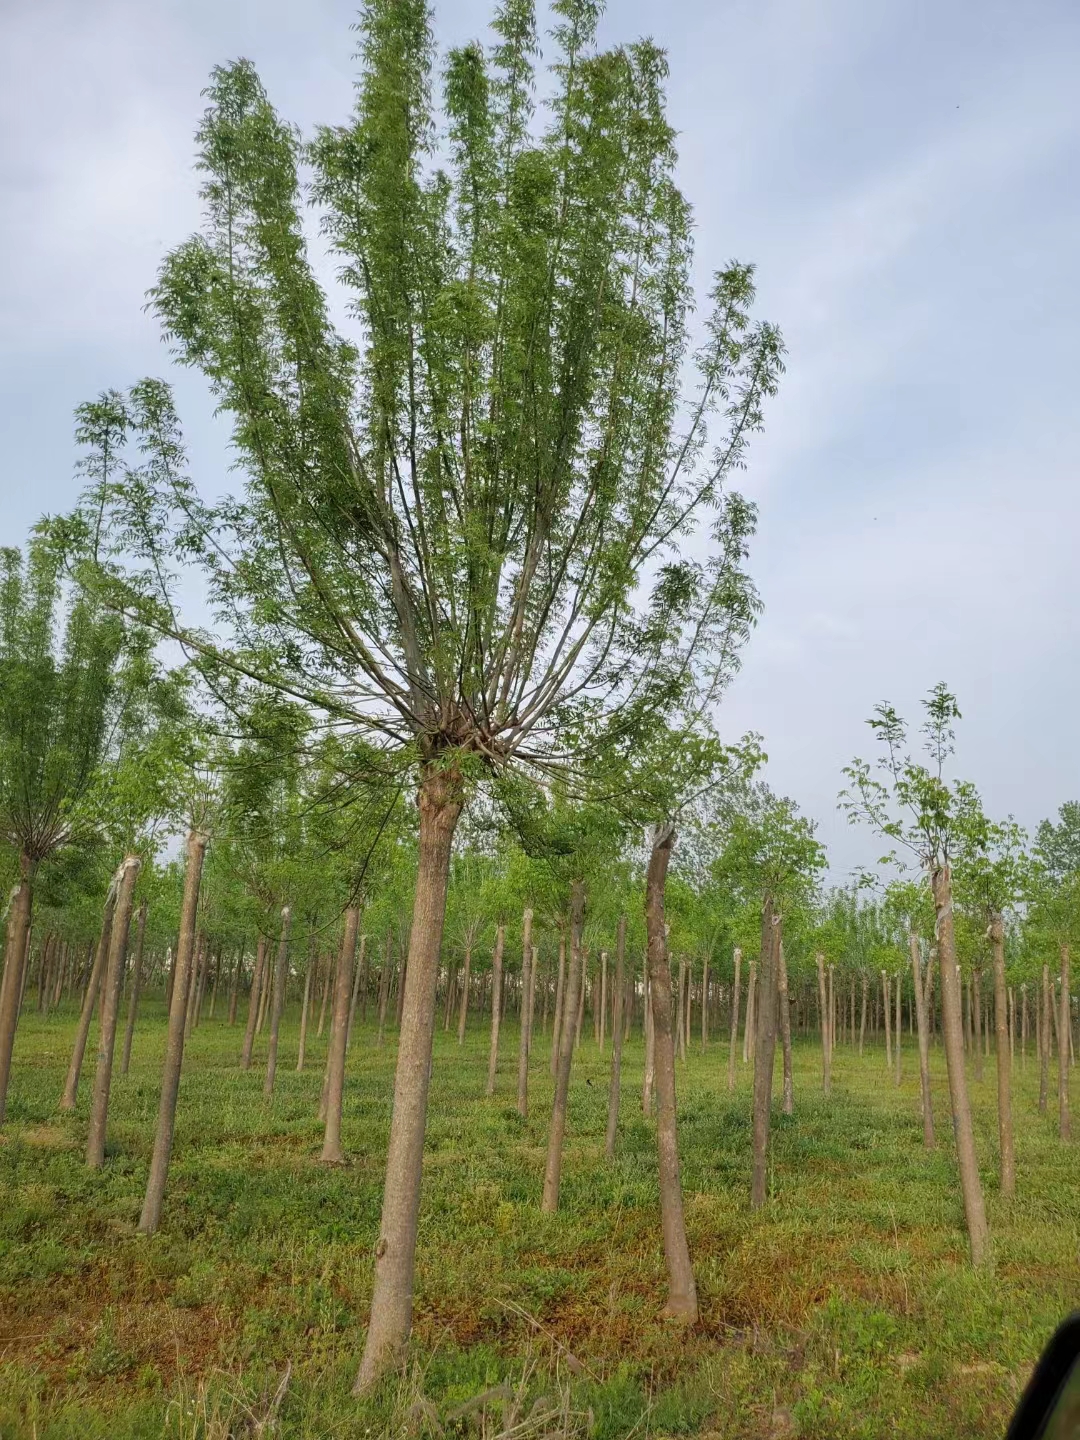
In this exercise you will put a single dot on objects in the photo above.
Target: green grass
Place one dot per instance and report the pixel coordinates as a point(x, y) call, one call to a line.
point(845, 1308)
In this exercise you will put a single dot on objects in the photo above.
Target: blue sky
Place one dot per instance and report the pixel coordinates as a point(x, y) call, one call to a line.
point(907, 179)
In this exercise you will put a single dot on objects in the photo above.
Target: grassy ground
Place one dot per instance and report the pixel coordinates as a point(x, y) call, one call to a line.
point(844, 1308)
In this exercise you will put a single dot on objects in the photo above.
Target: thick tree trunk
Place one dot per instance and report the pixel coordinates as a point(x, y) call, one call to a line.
point(174, 1044)
point(93, 986)
point(127, 876)
point(823, 1007)
point(16, 945)
point(1004, 1066)
point(567, 1038)
point(764, 1054)
point(496, 1006)
point(1064, 1039)
point(339, 1030)
point(526, 1017)
point(785, 1032)
point(924, 1043)
point(463, 1013)
point(281, 973)
point(951, 1026)
point(616, 1041)
point(560, 985)
point(733, 1042)
point(254, 1002)
point(682, 1291)
point(440, 802)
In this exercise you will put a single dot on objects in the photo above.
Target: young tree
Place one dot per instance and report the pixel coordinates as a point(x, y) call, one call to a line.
point(448, 523)
point(915, 807)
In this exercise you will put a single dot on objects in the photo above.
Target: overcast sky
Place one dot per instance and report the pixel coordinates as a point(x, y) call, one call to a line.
point(904, 175)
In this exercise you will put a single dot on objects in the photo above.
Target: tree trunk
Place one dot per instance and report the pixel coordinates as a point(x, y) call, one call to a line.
point(234, 988)
point(682, 1291)
point(977, 1021)
point(496, 1006)
point(1023, 1027)
point(440, 802)
point(680, 1013)
point(360, 984)
point(254, 1002)
point(898, 1029)
point(174, 1044)
point(764, 1054)
point(304, 1008)
point(526, 1018)
point(567, 1038)
point(749, 1023)
point(93, 985)
point(264, 994)
point(1064, 1038)
point(785, 1032)
point(327, 969)
point(734, 1021)
point(826, 1058)
point(16, 945)
point(384, 989)
point(705, 1003)
point(862, 1019)
point(339, 1031)
point(556, 1029)
point(463, 1012)
point(952, 1032)
point(650, 1048)
point(1005, 1129)
point(924, 1043)
point(281, 973)
point(581, 997)
point(127, 875)
point(603, 999)
point(616, 1040)
point(886, 991)
point(194, 986)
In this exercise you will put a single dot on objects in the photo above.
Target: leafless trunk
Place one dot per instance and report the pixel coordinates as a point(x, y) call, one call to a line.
point(977, 1020)
point(823, 1006)
point(327, 968)
point(384, 989)
point(526, 1018)
point(898, 1029)
point(16, 945)
point(496, 1005)
point(680, 1014)
point(705, 1003)
point(650, 1048)
point(359, 986)
point(553, 1167)
point(581, 997)
point(174, 1044)
point(193, 987)
point(1004, 1067)
point(750, 1022)
point(304, 1007)
point(234, 988)
point(254, 1002)
point(862, 1019)
point(603, 999)
point(764, 1054)
point(264, 994)
point(136, 988)
point(281, 972)
point(464, 1011)
point(1023, 1027)
point(395, 1254)
point(682, 1291)
point(785, 1032)
point(616, 1040)
point(734, 1020)
point(93, 985)
point(556, 1029)
point(126, 877)
point(339, 1030)
point(886, 991)
point(1064, 1038)
point(970, 1184)
point(1011, 998)
point(924, 1042)
point(1043, 1016)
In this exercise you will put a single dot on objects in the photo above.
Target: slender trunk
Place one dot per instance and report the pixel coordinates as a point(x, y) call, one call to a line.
point(650, 1048)
point(733, 1042)
point(951, 1026)
point(1011, 999)
point(360, 979)
point(93, 985)
point(304, 1008)
point(682, 1291)
point(1023, 1027)
point(127, 875)
point(463, 1012)
point(496, 1006)
point(1004, 1067)
point(924, 1043)
point(327, 969)
point(886, 991)
point(174, 1044)
point(826, 1058)
point(1064, 1039)
point(217, 977)
point(862, 1019)
point(616, 1040)
point(339, 1031)
point(193, 987)
point(556, 1029)
point(384, 988)
point(451, 987)
point(234, 988)
point(281, 972)
point(526, 1018)
point(764, 1053)
point(403, 975)
point(898, 1030)
point(705, 1004)
point(553, 1167)
point(16, 945)
point(254, 1002)
point(603, 999)
point(785, 1033)
point(581, 997)
point(680, 1017)
point(976, 995)
point(749, 1022)
point(440, 802)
